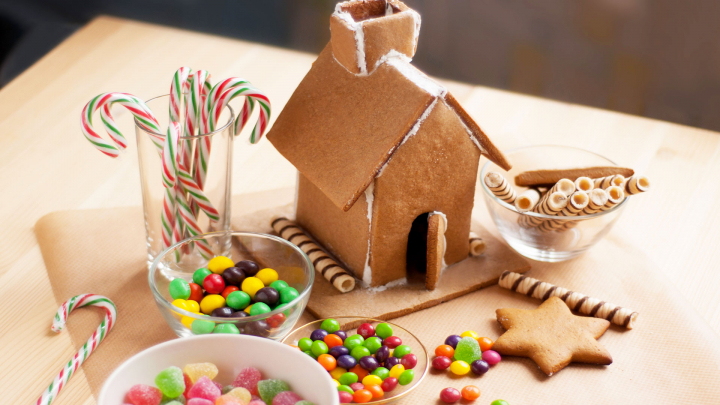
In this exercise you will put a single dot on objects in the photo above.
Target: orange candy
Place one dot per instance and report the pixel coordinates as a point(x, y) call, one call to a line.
point(445, 350)
point(362, 396)
point(470, 392)
point(333, 340)
point(361, 372)
point(327, 361)
point(376, 391)
point(485, 343)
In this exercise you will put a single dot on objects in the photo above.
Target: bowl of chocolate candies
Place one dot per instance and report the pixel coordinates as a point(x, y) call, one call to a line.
point(370, 361)
point(257, 285)
point(219, 370)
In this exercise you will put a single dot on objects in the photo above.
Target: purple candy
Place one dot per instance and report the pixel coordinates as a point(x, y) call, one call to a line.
point(341, 334)
point(491, 357)
point(453, 340)
point(382, 354)
point(391, 362)
point(479, 367)
point(369, 363)
point(318, 334)
point(338, 351)
point(346, 361)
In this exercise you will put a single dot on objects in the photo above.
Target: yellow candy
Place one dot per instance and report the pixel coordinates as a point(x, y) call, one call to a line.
point(218, 264)
point(247, 309)
point(211, 302)
point(267, 276)
point(459, 367)
point(397, 370)
point(240, 393)
point(182, 304)
point(228, 400)
point(337, 383)
point(187, 321)
point(372, 380)
point(197, 370)
point(470, 333)
point(193, 305)
point(251, 285)
point(337, 372)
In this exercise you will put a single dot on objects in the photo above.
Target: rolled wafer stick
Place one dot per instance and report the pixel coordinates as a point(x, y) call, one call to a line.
point(551, 205)
point(615, 197)
point(584, 184)
point(576, 203)
point(547, 177)
point(477, 245)
point(636, 184)
point(324, 264)
point(500, 187)
point(575, 301)
point(527, 200)
point(597, 199)
point(605, 182)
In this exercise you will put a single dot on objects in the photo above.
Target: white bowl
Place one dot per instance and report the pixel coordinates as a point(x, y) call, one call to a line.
point(229, 353)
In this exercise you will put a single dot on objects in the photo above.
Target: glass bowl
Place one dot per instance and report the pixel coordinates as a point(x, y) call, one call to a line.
point(291, 263)
point(574, 234)
point(349, 324)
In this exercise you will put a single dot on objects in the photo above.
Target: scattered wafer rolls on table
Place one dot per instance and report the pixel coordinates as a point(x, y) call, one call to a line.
point(527, 200)
point(635, 185)
point(477, 245)
point(500, 187)
point(575, 301)
point(324, 264)
point(605, 182)
point(549, 177)
point(615, 196)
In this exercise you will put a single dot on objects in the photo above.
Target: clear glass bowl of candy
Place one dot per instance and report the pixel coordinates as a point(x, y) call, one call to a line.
point(258, 286)
point(370, 361)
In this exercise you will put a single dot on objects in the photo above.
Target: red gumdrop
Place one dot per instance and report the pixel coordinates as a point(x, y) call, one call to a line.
point(450, 395)
point(196, 292)
point(199, 401)
point(214, 284)
point(392, 342)
point(188, 384)
point(389, 384)
point(286, 398)
point(205, 388)
point(345, 397)
point(366, 330)
point(248, 378)
point(142, 394)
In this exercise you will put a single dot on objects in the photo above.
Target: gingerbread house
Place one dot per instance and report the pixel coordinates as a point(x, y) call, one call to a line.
point(381, 148)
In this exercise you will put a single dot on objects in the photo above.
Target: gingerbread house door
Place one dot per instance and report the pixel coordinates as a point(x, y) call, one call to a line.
point(426, 248)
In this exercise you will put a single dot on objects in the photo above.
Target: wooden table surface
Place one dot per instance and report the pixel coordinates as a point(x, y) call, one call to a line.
point(46, 165)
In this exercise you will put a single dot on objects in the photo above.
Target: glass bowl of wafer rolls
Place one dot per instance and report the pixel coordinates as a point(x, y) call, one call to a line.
point(557, 201)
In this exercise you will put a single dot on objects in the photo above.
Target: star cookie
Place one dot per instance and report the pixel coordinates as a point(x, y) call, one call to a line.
point(551, 336)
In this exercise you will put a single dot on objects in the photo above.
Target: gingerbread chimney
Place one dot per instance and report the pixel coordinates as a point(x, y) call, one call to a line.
point(363, 31)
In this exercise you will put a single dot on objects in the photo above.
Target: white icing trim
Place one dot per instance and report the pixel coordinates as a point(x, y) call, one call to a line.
point(414, 75)
point(444, 265)
point(469, 132)
point(357, 28)
point(394, 283)
point(369, 197)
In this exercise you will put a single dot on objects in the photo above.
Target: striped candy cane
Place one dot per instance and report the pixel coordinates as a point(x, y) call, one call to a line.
point(177, 87)
point(169, 174)
point(86, 350)
point(253, 94)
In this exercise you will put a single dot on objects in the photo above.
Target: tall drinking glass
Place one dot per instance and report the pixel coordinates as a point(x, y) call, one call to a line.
point(215, 185)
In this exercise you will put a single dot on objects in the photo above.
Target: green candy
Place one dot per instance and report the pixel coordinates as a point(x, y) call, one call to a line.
point(372, 344)
point(227, 389)
point(497, 402)
point(359, 352)
point(179, 289)
point(288, 294)
point(227, 328)
point(402, 350)
point(175, 402)
point(383, 330)
point(353, 341)
point(304, 402)
point(381, 372)
point(279, 285)
point(467, 350)
point(345, 388)
point(406, 377)
point(305, 344)
point(269, 388)
point(348, 378)
point(202, 327)
point(259, 308)
point(310, 353)
point(319, 347)
point(238, 300)
point(200, 274)
point(170, 382)
point(330, 326)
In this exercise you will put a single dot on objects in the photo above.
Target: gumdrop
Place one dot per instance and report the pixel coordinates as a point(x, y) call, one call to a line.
point(248, 378)
point(269, 388)
point(228, 400)
point(171, 382)
point(173, 401)
point(142, 394)
point(197, 370)
point(204, 388)
point(286, 398)
point(199, 401)
point(188, 384)
point(304, 402)
point(220, 387)
point(257, 402)
point(468, 350)
point(227, 389)
point(242, 394)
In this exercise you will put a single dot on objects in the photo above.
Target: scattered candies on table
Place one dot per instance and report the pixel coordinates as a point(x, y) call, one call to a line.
point(365, 366)
point(469, 393)
point(464, 353)
point(194, 384)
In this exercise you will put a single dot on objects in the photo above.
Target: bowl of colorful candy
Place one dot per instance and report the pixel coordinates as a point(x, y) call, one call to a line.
point(259, 285)
point(219, 370)
point(370, 361)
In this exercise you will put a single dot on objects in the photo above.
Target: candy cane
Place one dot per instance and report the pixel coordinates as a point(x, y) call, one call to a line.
point(86, 350)
point(178, 85)
point(251, 93)
point(170, 224)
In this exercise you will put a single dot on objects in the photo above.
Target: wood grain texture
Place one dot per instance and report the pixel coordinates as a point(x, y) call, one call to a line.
point(46, 165)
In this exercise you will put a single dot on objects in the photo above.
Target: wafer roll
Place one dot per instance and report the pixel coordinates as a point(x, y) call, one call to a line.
point(605, 182)
point(324, 264)
point(597, 199)
point(527, 200)
point(636, 184)
point(477, 245)
point(551, 205)
point(584, 184)
point(575, 301)
point(500, 187)
point(575, 204)
point(615, 197)
point(564, 186)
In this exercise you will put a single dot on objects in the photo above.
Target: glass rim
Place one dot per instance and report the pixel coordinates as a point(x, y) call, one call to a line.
point(160, 298)
point(511, 207)
point(156, 134)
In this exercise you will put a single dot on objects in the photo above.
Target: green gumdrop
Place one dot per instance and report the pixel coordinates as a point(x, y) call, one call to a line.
point(259, 308)
point(170, 382)
point(278, 285)
point(406, 377)
point(202, 327)
point(402, 350)
point(179, 289)
point(288, 294)
point(383, 330)
point(304, 402)
point(381, 372)
point(174, 402)
point(200, 274)
point(348, 378)
point(305, 344)
point(468, 350)
point(180, 400)
point(269, 388)
point(226, 328)
point(238, 300)
point(345, 388)
point(330, 325)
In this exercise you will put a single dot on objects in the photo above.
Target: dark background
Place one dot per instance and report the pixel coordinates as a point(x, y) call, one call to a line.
point(656, 58)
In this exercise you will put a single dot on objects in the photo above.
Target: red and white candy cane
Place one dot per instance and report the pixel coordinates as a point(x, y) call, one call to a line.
point(250, 93)
point(169, 176)
point(177, 88)
point(86, 350)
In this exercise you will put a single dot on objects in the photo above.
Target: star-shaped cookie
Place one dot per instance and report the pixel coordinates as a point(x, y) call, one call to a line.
point(551, 336)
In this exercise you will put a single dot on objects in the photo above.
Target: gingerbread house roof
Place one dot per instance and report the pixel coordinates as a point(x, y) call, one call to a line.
point(340, 127)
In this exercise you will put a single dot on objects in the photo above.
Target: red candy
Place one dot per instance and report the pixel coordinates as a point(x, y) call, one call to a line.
point(409, 361)
point(196, 292)
point(450, 395)
point(286, 398)
point(199, 401)
point(205, 388)
point(214, 284)
point(276, 320)
point(228, 290)
point(389, 384)
point(366, 330)
point(142, 394)
point(345, 397)
point(188, 384)
point(357, 386)
point(392, 342)
point(248, 378)
point(441, 362)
